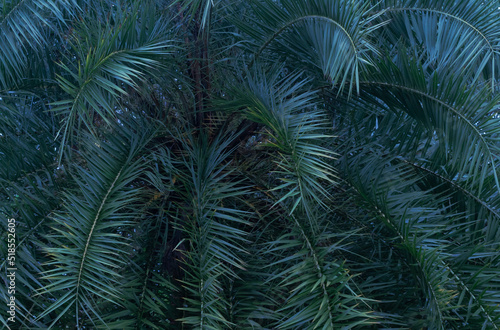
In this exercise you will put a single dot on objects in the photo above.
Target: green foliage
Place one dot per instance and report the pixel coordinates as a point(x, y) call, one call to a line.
point(251, 164)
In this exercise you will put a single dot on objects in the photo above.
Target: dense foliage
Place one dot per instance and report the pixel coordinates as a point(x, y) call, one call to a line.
point(279, 164)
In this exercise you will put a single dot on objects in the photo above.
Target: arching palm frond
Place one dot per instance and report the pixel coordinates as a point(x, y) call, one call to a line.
point(314, 286)
point(447, 236)
point(423, 227)
point(334, 37)
point(111, 58)
point(461, 36)
point(86, 247)
point(446, 110)
point(294, 126)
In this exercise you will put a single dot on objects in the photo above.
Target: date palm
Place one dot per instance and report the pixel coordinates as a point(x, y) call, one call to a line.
point(251, 164)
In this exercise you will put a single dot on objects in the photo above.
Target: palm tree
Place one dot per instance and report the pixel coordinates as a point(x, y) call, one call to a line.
point(250, 164)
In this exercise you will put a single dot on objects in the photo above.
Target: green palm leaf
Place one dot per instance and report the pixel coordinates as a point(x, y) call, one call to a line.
point(334, 37)
point(465, 40)
point(446, 111)
point(111, 60)
point(86, 248)
point(213, 229)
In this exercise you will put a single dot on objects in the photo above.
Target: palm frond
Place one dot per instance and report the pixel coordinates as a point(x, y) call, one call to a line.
point(332, 37)
point(212, 228)
point(86, 248)
point(462, 36)
point(443, 238)
point(294, 127)
point(446, 111)
point(320, 289)
point(110, 59)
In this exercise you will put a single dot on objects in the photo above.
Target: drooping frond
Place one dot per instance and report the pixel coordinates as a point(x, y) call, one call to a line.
point(425, 218)
point(333, 37)
point(446, 110)
point(86, 248)
point(319, 290)
point(212, 229)
point(461, 36)
point(294, 126)
point(313, 285)
point(111, 59)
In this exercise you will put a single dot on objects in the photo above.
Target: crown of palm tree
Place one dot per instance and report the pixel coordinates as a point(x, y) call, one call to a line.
point(276, 164)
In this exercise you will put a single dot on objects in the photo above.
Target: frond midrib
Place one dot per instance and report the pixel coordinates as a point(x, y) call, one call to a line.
point(456, 186)
point(387, 219)
point(296, 20)
point(471, 293)
point(449, 107)
point(84, 256)
point(444, 14)
point(11, 11)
